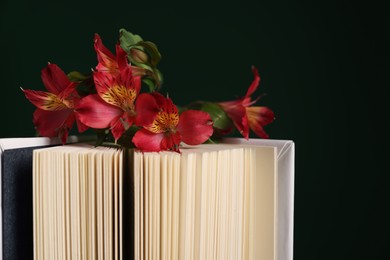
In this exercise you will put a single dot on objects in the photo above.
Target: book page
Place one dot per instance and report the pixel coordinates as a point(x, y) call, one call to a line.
point(138, 207)
point(209, 202)
point(76, 203)
point(263, 203)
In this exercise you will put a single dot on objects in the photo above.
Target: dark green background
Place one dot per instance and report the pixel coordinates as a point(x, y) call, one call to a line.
point(324, 67)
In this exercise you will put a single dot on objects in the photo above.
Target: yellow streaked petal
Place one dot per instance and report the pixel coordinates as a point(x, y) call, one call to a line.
point(46, 101)
point(164, 122)
point(120, 96)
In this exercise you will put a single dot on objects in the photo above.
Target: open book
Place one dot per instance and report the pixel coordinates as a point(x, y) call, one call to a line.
point(209, 202)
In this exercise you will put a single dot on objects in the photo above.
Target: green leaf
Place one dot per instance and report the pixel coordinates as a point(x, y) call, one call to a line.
point(159, 77)
point(144, 66)
point(220, 118)
point(150, 83)
point(76, 76)
point(127, 39)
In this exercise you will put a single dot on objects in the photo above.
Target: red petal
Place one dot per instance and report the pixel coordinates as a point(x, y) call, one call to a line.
point(262, 115)
point(96, 113)
point(80, 126)
point(160, 99)
point(136, 83)
point(54, 79)
point(120, 125)
point(169, 107)
point(255, 83)
point(120, 90)
point(164, 103)
point(68, 91)
point(237, 113)
point(103, 82)
point(64, 130)
point(117, 128)
point(147, 141)
point(50, 123)
point(146, 108)
point(121, 57)
point(195, 127)
point(167, 117)
point(259, 117)
point(126, 78)
point(245, 129)
point(107, 60)
point(171, 142)
point(44, 100)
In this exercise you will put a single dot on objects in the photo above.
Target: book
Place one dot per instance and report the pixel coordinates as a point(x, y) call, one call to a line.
point(225, 201)
point(284, 191)
point(16, 227)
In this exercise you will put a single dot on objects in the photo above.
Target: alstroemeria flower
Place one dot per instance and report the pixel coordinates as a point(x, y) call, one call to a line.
point(168, 129)
point(108, 62)
point(245, 116)
point(117, 105)
point(54, 115)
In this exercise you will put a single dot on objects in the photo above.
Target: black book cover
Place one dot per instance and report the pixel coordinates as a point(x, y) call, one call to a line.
point(17, 206)
point(17, 203)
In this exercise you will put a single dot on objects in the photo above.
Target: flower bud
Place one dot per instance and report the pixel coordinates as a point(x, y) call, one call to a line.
point(139, 56)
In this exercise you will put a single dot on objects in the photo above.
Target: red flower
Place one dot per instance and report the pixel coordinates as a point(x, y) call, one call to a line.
point(54, 115)
point(244, 116)
point(168, 129)
point(116, 105)
point(110, 63)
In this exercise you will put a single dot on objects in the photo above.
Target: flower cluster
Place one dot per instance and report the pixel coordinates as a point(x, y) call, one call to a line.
point(110, 101)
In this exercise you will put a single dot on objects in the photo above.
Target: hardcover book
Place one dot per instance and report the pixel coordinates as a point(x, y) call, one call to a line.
point(231, 200)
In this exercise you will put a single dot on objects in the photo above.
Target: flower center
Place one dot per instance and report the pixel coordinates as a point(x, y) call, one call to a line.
point(69, 103)
point(164, 122)
point(122, 97)
point(53, 103)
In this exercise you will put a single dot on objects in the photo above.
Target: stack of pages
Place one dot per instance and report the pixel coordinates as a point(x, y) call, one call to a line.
point(225, 201)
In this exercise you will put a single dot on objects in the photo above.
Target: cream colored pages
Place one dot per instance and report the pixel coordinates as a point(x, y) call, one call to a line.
point(76, 203)
point(209, 202)
point(156, 183)
point(99, 206)
point(264, 203)
point(138, 202)
point(285, 190)
point(174, 223)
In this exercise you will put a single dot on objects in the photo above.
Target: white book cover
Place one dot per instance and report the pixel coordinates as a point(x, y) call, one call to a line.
point(285, 192)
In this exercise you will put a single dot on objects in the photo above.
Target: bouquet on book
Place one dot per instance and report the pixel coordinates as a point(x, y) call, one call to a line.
point(110, 101)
